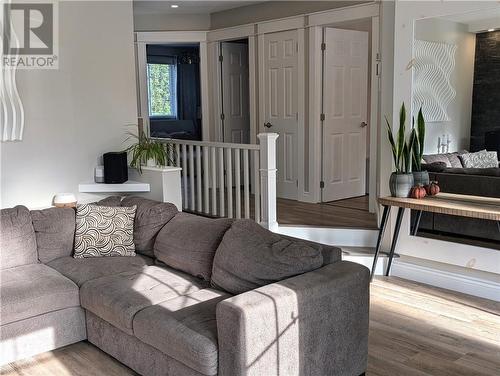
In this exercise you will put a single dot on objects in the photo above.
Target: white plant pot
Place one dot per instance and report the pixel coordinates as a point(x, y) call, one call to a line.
point(151, 162)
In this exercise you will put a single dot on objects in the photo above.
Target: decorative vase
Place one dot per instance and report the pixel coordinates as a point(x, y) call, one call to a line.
point(151, 162)
point(420, 177)
point(400, 184)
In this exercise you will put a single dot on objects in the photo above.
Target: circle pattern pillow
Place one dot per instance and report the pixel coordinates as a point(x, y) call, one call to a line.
point(104, 231)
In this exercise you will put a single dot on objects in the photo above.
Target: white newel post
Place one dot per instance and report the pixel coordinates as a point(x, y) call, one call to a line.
point(267, 142)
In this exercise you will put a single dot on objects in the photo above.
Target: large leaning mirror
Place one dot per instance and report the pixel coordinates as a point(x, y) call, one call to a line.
point(456, 81)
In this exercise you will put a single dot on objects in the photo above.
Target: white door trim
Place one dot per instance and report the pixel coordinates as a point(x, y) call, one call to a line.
point(282, 24)
point(231, 33)
point(173, 37)
point(301, 98)
point(373, 193)
point(315, 107)
point(354, 12)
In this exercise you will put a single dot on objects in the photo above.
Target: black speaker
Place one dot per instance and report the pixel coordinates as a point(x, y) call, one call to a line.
point(115, 167)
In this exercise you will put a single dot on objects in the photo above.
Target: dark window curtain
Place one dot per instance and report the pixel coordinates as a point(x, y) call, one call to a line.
point(188, 94)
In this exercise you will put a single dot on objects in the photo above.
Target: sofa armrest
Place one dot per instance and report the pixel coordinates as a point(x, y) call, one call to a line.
point(312, 324)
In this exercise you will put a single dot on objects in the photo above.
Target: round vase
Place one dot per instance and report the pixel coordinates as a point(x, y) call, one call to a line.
point(420, 177)
point(400, 184)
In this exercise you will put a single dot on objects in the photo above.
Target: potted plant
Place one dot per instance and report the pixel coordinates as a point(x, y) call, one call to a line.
point(401, 180)
point(419, 176)
point(146, 151)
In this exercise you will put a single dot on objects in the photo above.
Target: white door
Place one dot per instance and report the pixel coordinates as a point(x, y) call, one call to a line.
point(280, 93)
point(235, 98)
point(345, 96)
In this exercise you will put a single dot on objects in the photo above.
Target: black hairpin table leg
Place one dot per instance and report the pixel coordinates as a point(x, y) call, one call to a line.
point(414, 229)
point(399, 219)
point(385, 216)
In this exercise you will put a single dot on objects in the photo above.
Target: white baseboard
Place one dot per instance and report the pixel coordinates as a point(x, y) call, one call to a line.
point(332, 236)
point(488, 288)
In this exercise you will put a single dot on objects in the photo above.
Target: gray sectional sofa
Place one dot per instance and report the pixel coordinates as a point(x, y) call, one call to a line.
point(183, 305)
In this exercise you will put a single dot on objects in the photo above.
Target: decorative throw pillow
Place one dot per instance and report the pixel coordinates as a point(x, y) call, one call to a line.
point(188, 243)
point(250, 256)
point(481, 159)
point(104, 231)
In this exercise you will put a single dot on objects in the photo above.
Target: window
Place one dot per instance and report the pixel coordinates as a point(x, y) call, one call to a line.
point(162, 90)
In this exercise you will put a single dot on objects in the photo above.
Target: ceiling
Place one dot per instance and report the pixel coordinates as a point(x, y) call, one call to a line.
point(187, 6)
point(478, 21)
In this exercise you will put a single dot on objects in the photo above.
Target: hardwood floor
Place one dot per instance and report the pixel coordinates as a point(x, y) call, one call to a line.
point(351, 213)
point(348, 213)
point(415, 330)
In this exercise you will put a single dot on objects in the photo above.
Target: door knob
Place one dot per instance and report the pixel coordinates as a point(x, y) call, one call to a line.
point(364, 124)
point(268, 125)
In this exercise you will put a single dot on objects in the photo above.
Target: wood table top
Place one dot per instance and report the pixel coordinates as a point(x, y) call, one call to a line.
point(451, 204)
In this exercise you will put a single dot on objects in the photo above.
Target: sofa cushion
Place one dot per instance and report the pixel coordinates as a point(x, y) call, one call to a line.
point(250, 256)
point(450, 159)
point(32, 290)
point(81, 270)
point(434, 167)
point(188, 243)
point(104, 231)
point(150, 218)
point(184, 328)
point(330, 253)
point(119, 297)
point(17, 240)
point(55, 232)
point(109, 201)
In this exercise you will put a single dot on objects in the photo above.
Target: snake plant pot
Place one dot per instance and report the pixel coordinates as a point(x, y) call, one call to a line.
point(400, 184)
point(420, 177)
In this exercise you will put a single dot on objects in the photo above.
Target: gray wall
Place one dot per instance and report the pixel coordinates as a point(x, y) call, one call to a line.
point(77, 112)
point(459, 110)
point(272, 9)
point(171, 22)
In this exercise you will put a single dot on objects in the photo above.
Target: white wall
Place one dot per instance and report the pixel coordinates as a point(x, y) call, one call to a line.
point(77, 112)
point(470, 260)
point(460, 109)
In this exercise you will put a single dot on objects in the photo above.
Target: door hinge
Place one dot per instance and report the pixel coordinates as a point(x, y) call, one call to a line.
point(322, 184)
point(221, 58)
point(222, 116)
point(322, 117)
point(323, 46)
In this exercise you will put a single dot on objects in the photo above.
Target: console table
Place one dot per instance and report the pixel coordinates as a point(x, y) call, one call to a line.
point(443, 203)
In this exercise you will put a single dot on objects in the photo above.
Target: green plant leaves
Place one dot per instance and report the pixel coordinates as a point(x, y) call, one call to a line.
point(402, 149)
point(146, 148)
